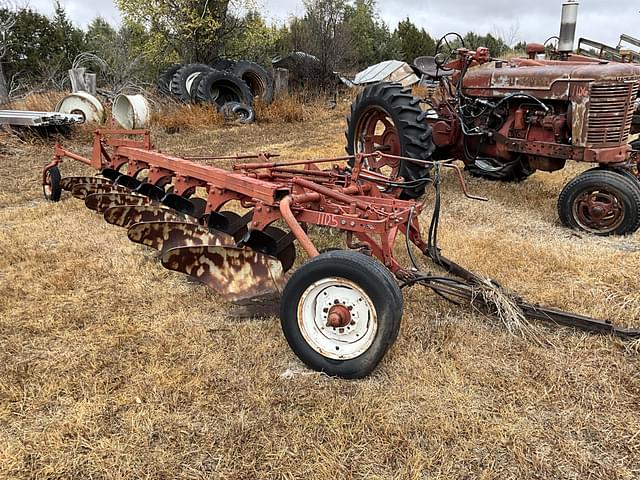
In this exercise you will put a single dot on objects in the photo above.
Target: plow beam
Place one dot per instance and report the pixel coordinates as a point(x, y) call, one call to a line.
point(238, 274)
point(164, 236)
point(100, 202)
point(127, 215)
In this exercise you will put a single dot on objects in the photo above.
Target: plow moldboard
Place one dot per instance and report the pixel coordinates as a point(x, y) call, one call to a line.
point(127, 215)
point(164, 236)
point(102, 201)
point(238, 274)
point(82, 190)
point(68, 183)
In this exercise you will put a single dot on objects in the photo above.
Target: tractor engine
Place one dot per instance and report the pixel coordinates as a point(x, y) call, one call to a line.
point(535, 114)
point(506, 119)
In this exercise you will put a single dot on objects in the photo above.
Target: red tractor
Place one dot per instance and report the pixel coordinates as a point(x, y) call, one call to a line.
point(505, 119)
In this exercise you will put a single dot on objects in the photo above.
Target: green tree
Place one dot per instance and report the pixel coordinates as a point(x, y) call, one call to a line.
point(185, 30)
point(371, 39)
point(41, 48)
point(7, 22)
point(254, 39)
point(69, 40)
point(496, 45)
point(413, 42)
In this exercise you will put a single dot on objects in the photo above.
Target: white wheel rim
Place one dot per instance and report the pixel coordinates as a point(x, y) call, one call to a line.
point(190, 79)
point(338, 343)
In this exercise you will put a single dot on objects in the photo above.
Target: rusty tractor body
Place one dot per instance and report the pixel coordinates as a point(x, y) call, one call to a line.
point(505, 119)
point(236, 232)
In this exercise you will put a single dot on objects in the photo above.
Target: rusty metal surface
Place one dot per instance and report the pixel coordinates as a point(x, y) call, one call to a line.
point(165, 235)
point(237, 274)
point(67, 183)
point(81, 190)
point(102, 201)
point(127, 215)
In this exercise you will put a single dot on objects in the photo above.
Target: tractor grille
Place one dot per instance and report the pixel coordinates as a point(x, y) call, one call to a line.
point(610, 113)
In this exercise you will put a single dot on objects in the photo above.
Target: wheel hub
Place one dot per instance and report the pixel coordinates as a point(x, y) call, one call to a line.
point(599, 211)
point(339, 316)
point(377, 133)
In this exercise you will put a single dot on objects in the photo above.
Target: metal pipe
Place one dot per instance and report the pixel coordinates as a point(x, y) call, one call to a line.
point(329, 192)
point(296, 229)
point(568, 22)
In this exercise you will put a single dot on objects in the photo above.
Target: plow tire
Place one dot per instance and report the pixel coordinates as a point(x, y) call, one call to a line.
point(53, 190)
point(184, 77)
point(348, 280)
point(240, 112)
point(223, 87)
point(601, 184)
point(223, 64)
point(257, 78)
point(164, 80)
point(414, 134)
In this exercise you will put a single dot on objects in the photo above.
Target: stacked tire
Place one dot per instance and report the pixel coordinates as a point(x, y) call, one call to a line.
point(232, 86)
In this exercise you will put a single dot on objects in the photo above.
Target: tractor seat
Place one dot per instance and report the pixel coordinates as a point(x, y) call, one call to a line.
point(427, 66)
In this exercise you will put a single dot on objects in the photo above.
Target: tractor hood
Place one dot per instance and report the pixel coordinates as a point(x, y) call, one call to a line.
point(552, 80)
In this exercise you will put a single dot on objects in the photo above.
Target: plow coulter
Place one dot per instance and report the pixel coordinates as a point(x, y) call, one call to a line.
point(341, 310)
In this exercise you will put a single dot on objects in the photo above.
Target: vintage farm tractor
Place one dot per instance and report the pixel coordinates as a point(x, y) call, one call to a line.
point(506, 119)
point(340, 311)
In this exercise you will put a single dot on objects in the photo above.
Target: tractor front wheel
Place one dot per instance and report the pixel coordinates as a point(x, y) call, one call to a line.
point(386, 117)
point(602, 202)
point(340, 312)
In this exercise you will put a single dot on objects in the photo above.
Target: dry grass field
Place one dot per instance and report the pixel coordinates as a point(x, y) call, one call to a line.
point(113, 368)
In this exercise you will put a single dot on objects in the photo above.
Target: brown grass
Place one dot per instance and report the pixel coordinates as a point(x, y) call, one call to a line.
point(39, 102)
point(112, 367)
point(174, 117)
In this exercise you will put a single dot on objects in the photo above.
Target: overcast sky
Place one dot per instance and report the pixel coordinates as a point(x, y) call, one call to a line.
point(533, 21)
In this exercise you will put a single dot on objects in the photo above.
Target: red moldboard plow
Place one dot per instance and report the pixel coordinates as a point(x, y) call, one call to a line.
point(341, 310)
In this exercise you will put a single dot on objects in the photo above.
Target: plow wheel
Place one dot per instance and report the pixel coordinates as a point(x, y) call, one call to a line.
point(601, 202)
point(340, 312)
point(386, 117)
point(51, 187)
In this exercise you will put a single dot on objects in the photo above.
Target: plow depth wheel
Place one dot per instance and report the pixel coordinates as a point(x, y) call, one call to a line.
point(386, 117)
point(51, 188)
point(601, 202)
point(340, 312)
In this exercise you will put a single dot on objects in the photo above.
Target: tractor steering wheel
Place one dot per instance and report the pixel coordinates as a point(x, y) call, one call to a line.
point(445, 52)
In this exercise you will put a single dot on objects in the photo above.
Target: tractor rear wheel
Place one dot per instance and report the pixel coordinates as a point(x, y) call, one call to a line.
point(602, 202)
point(385, 117)
point(340, 312)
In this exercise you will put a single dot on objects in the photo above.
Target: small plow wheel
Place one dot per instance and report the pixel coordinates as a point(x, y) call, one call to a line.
point(51, 187)
point(340, 313)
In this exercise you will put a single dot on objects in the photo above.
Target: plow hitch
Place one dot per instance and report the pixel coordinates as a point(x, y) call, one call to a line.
point(236, 231)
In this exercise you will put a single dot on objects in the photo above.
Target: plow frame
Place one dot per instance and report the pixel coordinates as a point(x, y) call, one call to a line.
point(353, 203)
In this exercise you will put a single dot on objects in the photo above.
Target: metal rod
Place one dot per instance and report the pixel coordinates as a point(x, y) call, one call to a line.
point(296, 229)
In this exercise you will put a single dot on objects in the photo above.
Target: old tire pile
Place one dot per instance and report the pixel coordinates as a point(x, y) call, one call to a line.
point(230, 85)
